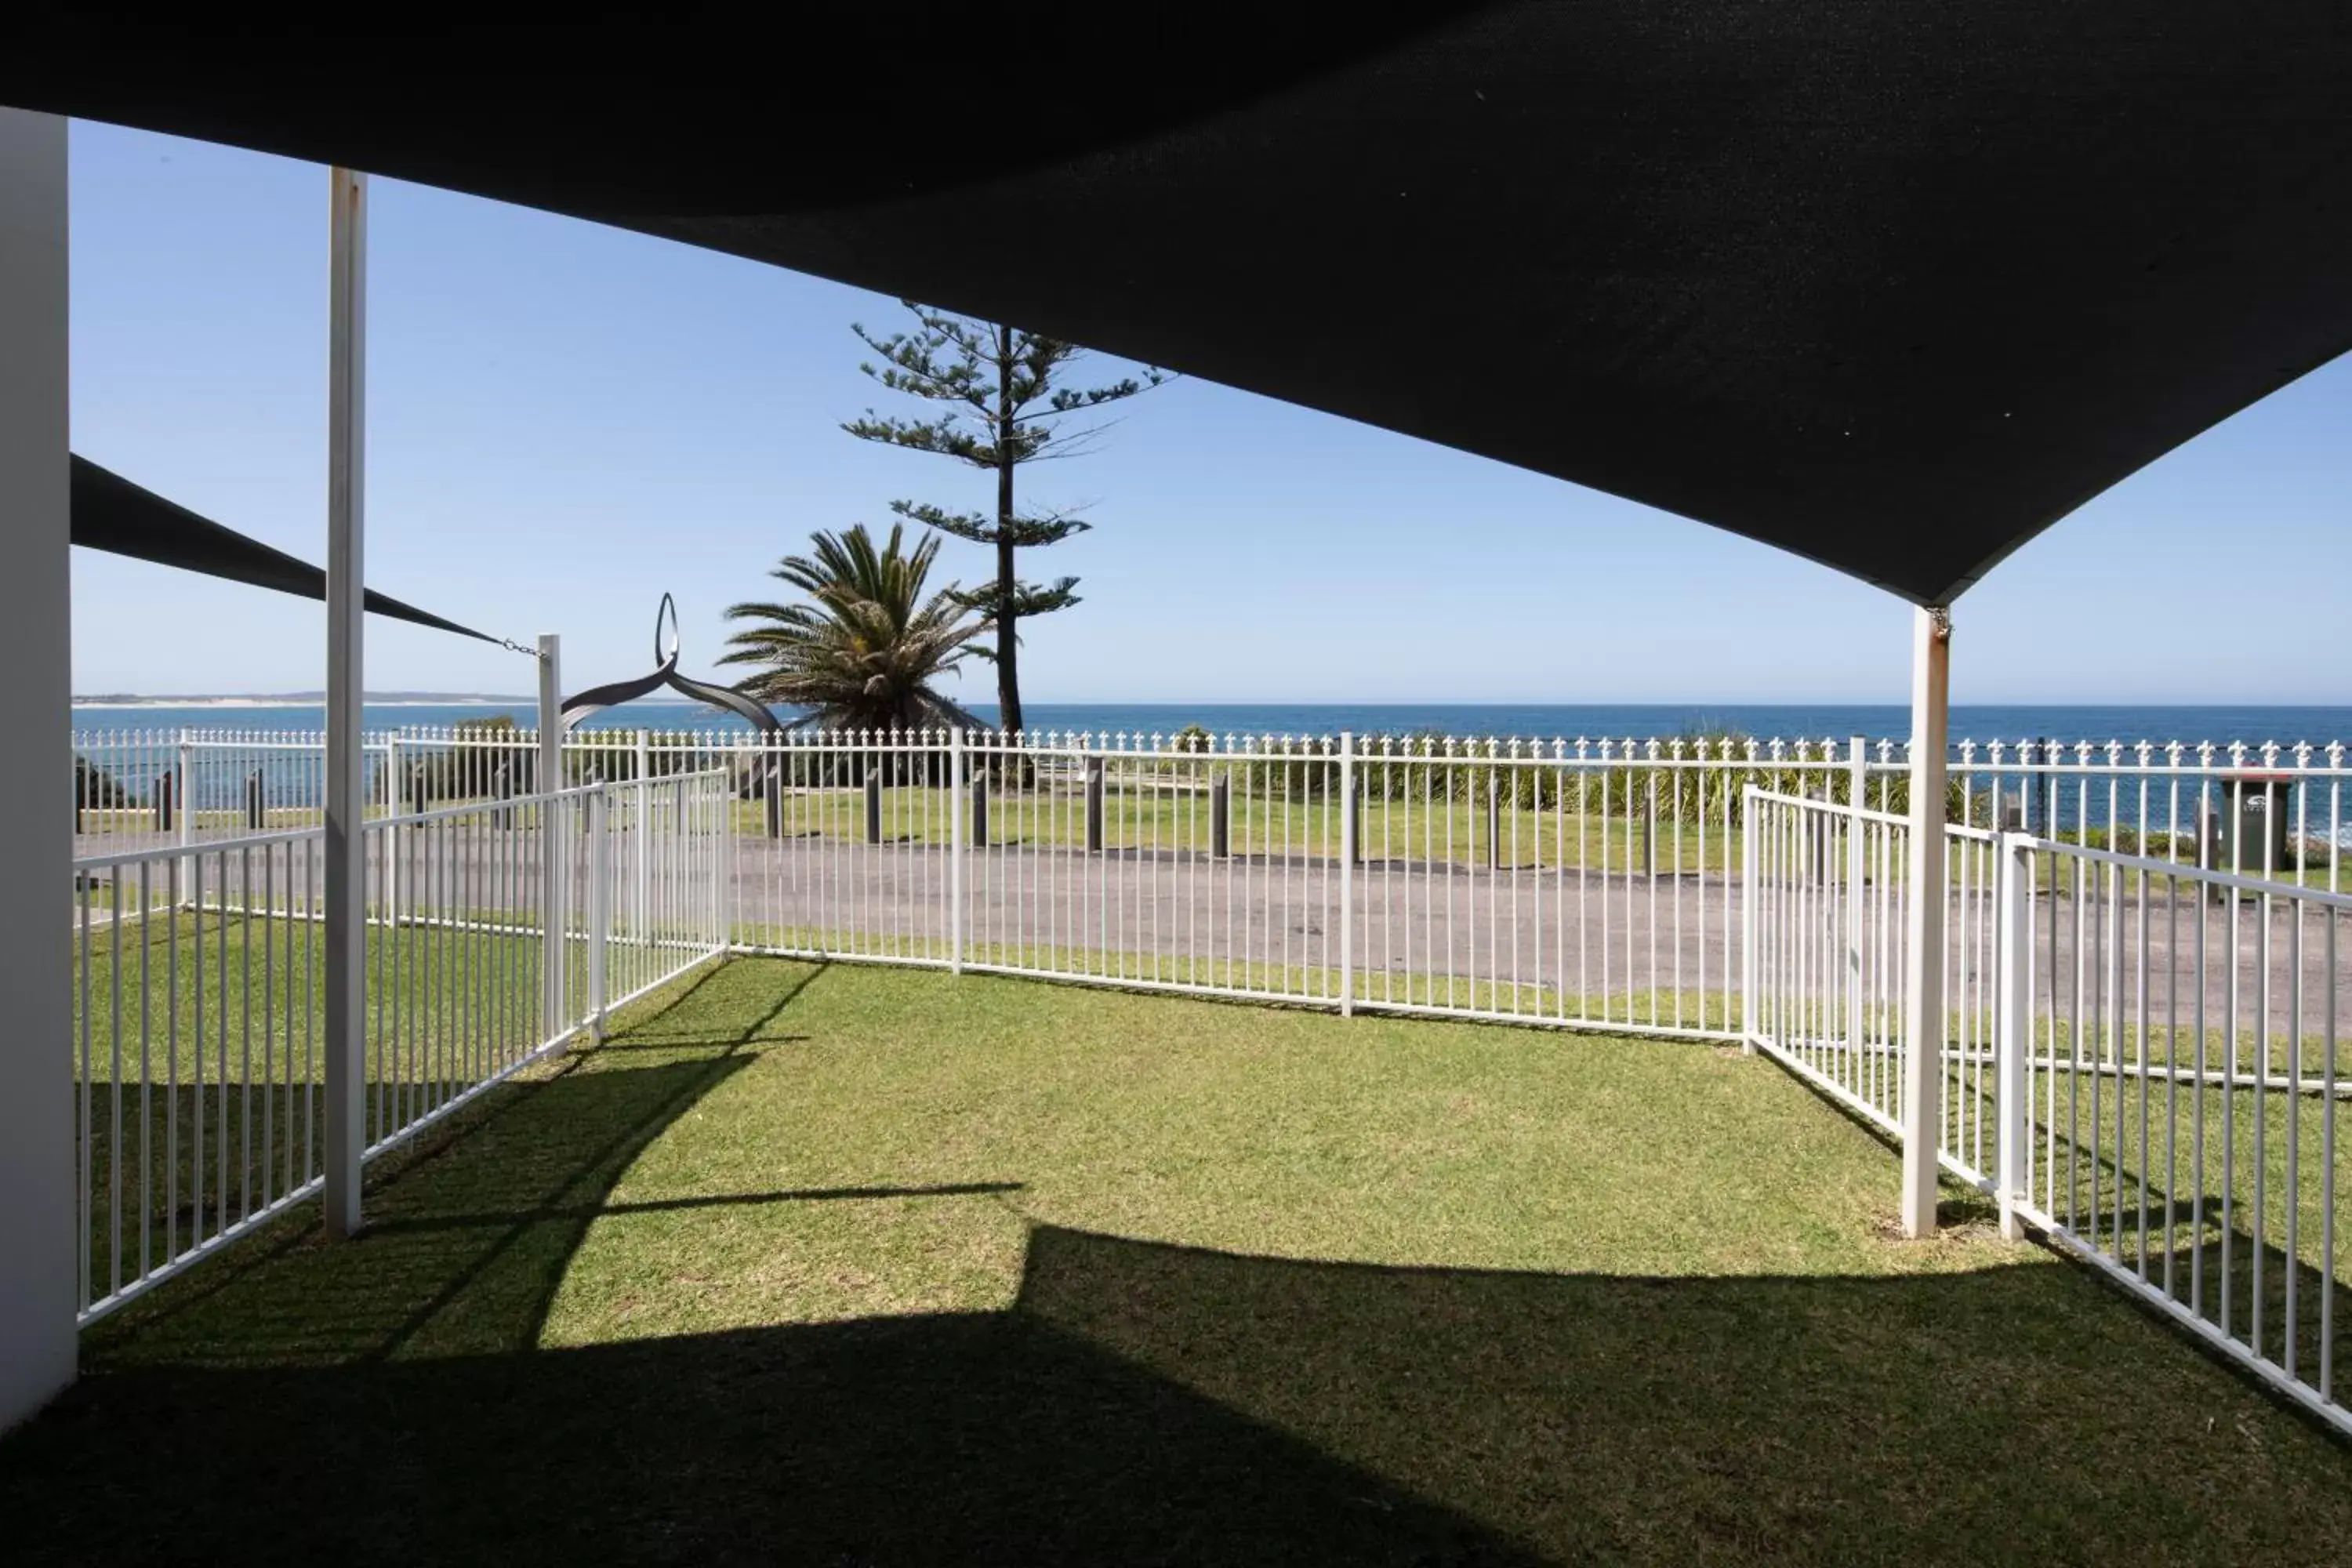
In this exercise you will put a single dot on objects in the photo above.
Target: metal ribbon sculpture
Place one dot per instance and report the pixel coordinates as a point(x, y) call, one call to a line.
point(597, 697)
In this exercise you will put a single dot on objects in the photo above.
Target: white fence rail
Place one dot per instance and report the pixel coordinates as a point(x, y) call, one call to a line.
point(198, 994)
point(2172, 800)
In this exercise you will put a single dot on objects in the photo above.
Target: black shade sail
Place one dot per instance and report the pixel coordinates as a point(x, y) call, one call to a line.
point(112, 514)
point(1890, 285)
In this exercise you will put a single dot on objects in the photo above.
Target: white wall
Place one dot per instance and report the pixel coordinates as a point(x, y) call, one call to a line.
point(37, 1226)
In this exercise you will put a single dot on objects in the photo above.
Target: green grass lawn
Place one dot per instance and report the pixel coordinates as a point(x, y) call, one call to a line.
point(1564, 834)
point(850, 1266)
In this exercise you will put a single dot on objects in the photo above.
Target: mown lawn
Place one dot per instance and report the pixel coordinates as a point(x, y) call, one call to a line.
point(852, 1266)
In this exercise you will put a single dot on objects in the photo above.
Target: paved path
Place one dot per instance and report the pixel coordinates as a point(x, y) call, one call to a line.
point(1576, 935)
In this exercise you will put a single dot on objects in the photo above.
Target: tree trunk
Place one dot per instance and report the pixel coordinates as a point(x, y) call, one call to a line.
point(1008, 669)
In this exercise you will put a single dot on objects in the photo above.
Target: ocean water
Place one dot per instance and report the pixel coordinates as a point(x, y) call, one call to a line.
point(2222, 725)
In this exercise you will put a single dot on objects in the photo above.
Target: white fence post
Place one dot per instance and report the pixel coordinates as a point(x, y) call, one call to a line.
point(184, 821)
point(600, 909)
point(1857, 791)
point(1749, 895)
point(345, 813)
point(551, 837)
point(1346, 874)
point(729, 896)
point(955, 849)
point(392, 804)
point(2012, 1026)
point(642, 914)
point(1924, 958)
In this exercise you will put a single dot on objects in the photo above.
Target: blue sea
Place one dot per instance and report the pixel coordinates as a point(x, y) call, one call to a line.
point(2220, 724)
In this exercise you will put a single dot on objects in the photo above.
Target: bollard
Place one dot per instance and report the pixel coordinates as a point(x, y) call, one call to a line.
point(164, 802)
point(1650, 831)
point(1493, 822)
point(1221, 816)
point(2038, 785)
point(1094, 805)
point(257, 812)
point(980, 810)
point(771, 795)
point(873, 808)
point(503, 786)
point(1351, 820)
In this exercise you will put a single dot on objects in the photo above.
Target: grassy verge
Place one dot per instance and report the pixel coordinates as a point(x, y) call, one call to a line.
point(1178, 821)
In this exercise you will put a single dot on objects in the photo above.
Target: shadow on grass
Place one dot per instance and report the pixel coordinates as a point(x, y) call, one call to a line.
point(386, 1401)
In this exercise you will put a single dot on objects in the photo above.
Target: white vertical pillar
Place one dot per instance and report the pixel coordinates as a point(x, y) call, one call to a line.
point(1923, 977)
point(1348, 826)
point(395, 791)
point(552, 844)
point(1856, 832)
point(37, 1243)
point(346, 807)
point(2013, 1027)
point(184, 821)
point(956, 764)
point(1750, 896)
point(600, 909)
point(640, 802)
point(551, 713)
point(725, 897)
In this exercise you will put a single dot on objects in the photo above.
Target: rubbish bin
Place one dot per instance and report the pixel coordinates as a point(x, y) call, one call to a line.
point(2247, 836)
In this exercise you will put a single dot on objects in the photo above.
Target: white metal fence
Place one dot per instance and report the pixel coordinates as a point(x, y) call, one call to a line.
point(2139, 1056)
point(2141, 969)
point(1590, 883)
point(2175, 1034)
point(198, 994)
point(1829, 894)
point(2171, 800)
point(1585, 882)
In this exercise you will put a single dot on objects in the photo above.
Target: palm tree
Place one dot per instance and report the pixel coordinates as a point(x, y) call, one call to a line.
point(863, 653)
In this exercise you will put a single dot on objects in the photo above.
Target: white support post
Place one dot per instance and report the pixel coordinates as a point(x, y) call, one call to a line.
point(184, 821)
point(642, 911)
point(39, 1248)
point(1857, 790)
point(552, 839)
point(956, 764)
point(600, 909)
point(1922, 978)
point(731, 888)
point(2013, 1025)
point(1347, 874)
point(346, 803)
point(1751, 895)
point(393, 804)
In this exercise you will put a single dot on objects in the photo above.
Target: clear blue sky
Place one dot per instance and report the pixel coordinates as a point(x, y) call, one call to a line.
point(566, 420)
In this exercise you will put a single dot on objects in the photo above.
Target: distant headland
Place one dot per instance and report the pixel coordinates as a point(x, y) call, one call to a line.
point(288, 699)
